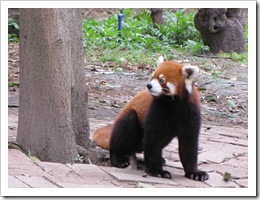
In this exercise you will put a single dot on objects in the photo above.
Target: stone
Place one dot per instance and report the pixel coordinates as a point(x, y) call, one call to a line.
point(13, 182)
point(20, 164)
point(136, 176)
point(36, 182)
point(216, 180)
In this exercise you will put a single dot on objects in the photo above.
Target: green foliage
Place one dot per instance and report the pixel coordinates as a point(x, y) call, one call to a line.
point(139, 39)
point(240, 57)
point(11, 22)
point(79, 159)
point(12, 37)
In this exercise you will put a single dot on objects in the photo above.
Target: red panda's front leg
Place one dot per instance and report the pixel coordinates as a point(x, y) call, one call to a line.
point(188, 148)
point(188, 144)
point(155, 139)
point(153, 159)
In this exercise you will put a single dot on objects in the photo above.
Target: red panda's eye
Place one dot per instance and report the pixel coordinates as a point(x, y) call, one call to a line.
point(161, 80)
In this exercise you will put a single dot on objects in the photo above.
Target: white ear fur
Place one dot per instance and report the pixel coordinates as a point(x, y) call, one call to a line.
point(160, 60)
point(190, 72)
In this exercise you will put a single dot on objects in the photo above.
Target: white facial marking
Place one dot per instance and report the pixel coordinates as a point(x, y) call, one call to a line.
point(160, 60)
point(171, 87)
point(161, 76)
point(156, 89)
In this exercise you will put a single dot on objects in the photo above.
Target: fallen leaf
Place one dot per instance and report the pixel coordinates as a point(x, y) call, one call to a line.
point(144, 185)
point(230, 103)
point(227, 176)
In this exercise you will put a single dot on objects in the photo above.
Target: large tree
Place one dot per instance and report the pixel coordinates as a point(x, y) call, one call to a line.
point(222, 29)
point(53, 116)
point(157, 16)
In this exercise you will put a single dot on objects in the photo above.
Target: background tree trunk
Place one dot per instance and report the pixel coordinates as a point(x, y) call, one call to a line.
point(222, 29)
point(53, 94)
point(157, 16)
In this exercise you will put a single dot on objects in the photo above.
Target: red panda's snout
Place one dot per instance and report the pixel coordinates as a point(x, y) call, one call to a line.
point(159, 87)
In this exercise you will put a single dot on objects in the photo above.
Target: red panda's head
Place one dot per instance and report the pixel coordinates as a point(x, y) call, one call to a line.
point(169, 78)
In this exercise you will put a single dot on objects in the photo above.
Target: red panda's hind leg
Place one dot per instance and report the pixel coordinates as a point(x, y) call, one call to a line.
point(126, 139)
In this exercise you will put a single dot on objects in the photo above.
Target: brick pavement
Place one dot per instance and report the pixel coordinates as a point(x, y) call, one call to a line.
point(222, 149)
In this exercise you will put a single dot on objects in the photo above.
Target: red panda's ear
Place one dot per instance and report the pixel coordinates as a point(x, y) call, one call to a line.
point(190, 72)
point(160, 60)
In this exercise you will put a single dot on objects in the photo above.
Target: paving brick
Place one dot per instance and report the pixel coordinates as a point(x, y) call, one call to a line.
point(242, 182)
point(216, 156)
point(135, 176)
point(75, 185)
point(178, 177)
point(20, 164)
point(234, 141)
point(59, 172)
point(221, 150)
point(36, 182)
point(70, 175)
point(13, 182)
point(240, 162)
point(87, 171)
point(234, 170)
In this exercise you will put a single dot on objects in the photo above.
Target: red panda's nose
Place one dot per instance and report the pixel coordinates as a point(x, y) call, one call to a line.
point(149, 86)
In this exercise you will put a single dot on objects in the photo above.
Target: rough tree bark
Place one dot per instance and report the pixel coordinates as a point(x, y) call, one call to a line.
point(157, 16)
point(222, 29)
point(53, 97)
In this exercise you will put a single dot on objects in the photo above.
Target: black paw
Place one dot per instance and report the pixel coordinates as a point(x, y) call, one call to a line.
point(122, 164)
point(160, 174)
point(119, 161)
point(166, 174)
point(198, 176)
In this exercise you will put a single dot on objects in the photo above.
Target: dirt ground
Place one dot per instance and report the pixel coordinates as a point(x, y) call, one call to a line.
point(224, 97)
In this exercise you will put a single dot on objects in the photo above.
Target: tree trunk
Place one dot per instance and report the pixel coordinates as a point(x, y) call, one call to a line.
point(222, 29)
point(157, 16)
point(53, 96)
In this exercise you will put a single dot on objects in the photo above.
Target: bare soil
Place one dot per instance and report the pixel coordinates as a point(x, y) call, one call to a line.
point(110, 90)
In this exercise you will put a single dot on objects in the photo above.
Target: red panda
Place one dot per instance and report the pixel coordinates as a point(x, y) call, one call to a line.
point(170, 107)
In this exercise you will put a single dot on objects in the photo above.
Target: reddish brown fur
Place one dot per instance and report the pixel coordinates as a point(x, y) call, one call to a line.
point(102, 136)
point(142, 101)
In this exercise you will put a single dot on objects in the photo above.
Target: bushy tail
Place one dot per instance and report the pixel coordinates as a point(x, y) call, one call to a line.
point(102, 136)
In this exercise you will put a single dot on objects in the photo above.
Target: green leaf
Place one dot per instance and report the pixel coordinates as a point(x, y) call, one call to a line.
point(144, 185)
point(230, 103)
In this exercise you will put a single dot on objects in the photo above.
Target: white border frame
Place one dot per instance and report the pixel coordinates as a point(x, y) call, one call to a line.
point(250, 191)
